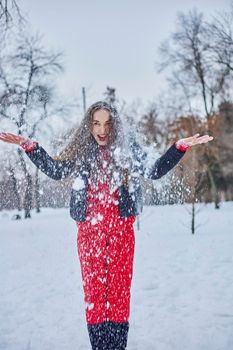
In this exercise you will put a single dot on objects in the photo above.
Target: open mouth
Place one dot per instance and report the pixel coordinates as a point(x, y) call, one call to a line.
point(102, 138)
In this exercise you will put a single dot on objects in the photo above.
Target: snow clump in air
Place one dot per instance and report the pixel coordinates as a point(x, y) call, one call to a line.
point(78, 184)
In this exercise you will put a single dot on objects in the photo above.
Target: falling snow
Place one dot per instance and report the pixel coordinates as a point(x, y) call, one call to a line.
point(78, 184)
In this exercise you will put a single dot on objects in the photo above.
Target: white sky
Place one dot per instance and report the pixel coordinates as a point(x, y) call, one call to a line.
point(108, 42)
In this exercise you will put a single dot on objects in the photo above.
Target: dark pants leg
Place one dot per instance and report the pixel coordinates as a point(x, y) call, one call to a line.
point(98, 336)
point(117, 335)
point(108, 335)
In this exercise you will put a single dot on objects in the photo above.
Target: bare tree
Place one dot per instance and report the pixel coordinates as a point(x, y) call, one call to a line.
point(220, 33)
point(188, 53)
point(151, 127)
point(9, 13)
point(110, 95)
point(26, 95)
point(191, 170)
point(196, 74)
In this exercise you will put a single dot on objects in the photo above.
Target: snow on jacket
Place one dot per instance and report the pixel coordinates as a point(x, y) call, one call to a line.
point(130, 195)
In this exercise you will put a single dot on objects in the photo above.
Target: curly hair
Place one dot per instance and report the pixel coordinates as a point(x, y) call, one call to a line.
point(82, 139)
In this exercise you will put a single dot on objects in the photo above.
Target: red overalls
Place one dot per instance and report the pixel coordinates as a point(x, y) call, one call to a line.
point(106, 251)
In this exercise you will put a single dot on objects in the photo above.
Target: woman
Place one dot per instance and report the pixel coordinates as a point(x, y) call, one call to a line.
point(105, 198)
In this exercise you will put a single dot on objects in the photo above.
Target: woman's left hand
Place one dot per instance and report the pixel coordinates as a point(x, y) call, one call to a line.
point(195, 140)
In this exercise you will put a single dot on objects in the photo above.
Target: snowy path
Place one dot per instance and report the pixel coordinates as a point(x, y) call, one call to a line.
point(182, 294)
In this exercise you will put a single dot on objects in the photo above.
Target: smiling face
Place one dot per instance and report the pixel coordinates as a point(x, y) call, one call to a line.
point(101, 126)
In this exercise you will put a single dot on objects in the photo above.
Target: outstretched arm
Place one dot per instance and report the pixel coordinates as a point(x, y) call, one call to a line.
point(55, 169)
point(174, 154)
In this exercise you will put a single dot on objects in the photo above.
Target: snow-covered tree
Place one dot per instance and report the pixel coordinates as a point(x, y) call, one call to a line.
point(27, 95)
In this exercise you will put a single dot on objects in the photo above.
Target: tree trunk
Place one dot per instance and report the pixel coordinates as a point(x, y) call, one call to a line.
point(15, 188)
point(37, 191)
point(193, 218)
point(214, 190)
point(27, 203)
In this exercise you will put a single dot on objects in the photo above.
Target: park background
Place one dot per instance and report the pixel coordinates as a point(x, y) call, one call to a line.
point(167, 67)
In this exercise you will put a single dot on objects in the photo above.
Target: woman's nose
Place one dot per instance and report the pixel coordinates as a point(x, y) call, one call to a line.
point(102, 129)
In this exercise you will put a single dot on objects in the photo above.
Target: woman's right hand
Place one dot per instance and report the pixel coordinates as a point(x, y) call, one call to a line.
point(11, 138)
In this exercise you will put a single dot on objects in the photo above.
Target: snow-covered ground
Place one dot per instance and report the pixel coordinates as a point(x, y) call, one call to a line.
point(182, 294)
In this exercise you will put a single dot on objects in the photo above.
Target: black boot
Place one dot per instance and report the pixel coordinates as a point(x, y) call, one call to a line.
point(117, 335)
point(98, 336)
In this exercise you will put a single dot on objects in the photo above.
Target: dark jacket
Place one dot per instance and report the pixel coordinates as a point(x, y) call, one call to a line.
point(130, 196)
